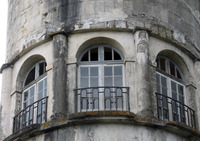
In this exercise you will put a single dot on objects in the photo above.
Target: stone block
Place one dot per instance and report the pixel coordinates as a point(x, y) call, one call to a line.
point(161, 32)
point(154, 29)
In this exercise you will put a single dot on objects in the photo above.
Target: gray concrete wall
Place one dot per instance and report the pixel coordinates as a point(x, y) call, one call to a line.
point(27, 26)
point(39, 28)
point(111, 132)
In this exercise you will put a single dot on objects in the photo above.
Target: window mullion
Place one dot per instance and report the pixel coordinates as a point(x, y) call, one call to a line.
point(89, 76)
point(36, 70)
point(89, 57)
point(113, 76)
point(112, 54)
point(101, 75)
point(175, 70)
point(101, 53)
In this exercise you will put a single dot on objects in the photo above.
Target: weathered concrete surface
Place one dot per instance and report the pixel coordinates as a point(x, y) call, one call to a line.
point(110, 125)
point(142, 70)
point(5, 113)
point(1, 127)
point(27, 26)
point(59, 75)
point(38, 28)
point(197, 66)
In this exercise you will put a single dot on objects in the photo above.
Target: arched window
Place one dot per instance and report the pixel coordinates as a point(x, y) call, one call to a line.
point(171, 91)
point(101, 79)
point(35, 89)
point(101, 65)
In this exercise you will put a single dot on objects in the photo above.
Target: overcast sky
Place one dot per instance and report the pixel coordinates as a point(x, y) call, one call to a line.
point(3, 28)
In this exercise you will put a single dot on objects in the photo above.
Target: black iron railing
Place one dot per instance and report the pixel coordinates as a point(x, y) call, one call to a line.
point(173, 110)
point(34, 113)
point(102, 98)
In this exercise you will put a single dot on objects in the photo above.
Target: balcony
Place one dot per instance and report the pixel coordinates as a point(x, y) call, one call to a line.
point(32, 114)
point(102, 99)
point(173, 110)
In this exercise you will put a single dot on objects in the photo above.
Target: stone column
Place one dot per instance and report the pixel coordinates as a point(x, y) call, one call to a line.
point(130, 81)
point(5, 108)
point(142, 74)
point(197, 98)
point(59, 72)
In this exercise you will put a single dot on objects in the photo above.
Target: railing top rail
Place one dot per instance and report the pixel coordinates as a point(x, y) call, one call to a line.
point(100, 87)
point(30, 106)
point(175, 101)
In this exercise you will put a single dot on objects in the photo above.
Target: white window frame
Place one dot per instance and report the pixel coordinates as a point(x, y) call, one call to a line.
point(171, 78)
point(100, 73)
point(35, 83)
point(100, 64)
point(169, 94)
point(35, 96)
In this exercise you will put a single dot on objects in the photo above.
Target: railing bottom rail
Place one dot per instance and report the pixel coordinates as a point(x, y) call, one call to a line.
point(173, 110)
point(34, 113)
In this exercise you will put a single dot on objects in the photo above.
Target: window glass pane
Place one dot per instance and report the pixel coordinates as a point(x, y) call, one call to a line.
point(45, 92)
point(174, 91)
point(30, 77)
point(32, 91)
point(175, 110)
point(162, 64)
point(163, 81)
point(85, 57)
point(42, 68)
point(84, 82)
point(94, 54)
point(174, 95)
point(158, 63)
point(25, 104)
point(45, 82)
point(107, 71)
point(173, 85)
point(107, 53)
point(164, 91)
point(40, 86)
point(25, 95)
point(40, 95)
point(94, 82)
point(118, 70)
point(94, 71)
point(31, 101)
point(117, 56)
point(178, 74)
point(108, 81)
point(118, 81)
point(164, 85)
point(158, 83)
point(181, 99)
point(84, 71)
point(180, 89)
point(172, 69)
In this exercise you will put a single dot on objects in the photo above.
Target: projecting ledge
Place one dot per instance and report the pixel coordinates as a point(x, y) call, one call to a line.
point(96, 117)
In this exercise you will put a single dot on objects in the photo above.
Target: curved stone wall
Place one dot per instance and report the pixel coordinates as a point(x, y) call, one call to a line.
point(30, 22)
point(59, 31)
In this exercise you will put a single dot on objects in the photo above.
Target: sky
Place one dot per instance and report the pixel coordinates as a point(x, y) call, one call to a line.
point(3, 29)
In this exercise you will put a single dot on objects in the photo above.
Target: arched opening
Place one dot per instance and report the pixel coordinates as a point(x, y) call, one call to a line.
point(171, 89)
point(99, 40)
point(101, 79)
point(32, 81)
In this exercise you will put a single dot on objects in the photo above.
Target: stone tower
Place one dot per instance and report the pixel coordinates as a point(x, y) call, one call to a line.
point(101, 70)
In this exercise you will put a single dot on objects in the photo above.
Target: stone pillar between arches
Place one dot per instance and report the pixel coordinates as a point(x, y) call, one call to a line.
point(59, 72)
point(142, 84)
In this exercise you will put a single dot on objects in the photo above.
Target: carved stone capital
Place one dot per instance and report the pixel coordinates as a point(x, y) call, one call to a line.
point(141, 41)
